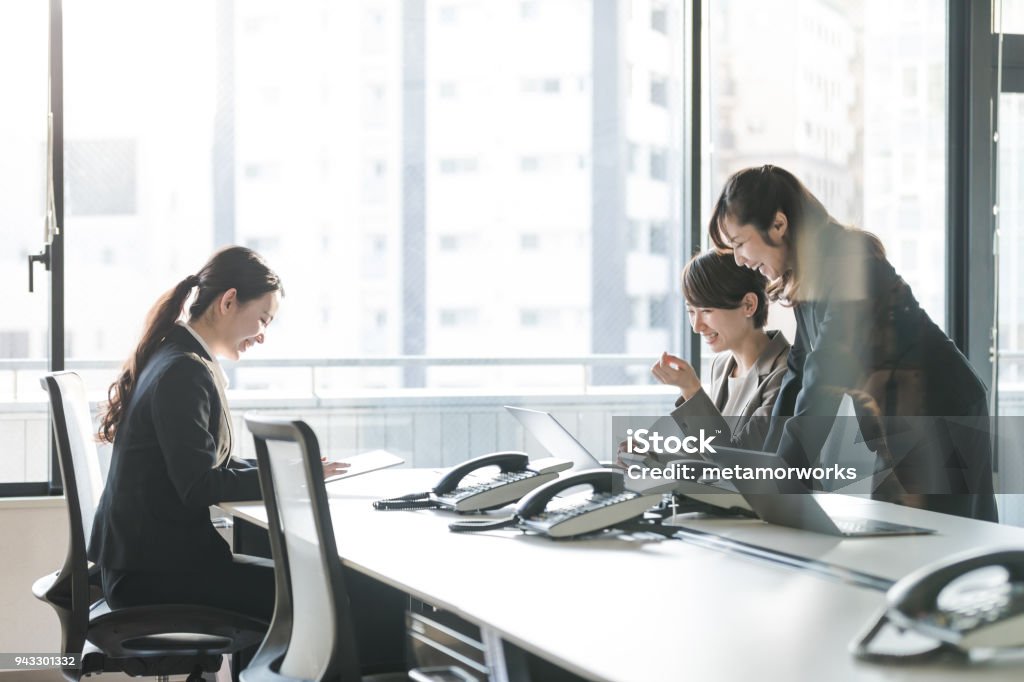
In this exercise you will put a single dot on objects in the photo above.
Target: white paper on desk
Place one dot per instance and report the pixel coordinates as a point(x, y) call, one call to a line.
point(366, 462)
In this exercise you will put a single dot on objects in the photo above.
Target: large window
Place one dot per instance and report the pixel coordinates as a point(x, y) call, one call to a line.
point(851, 97)
point(423, 185)
point(455, 178)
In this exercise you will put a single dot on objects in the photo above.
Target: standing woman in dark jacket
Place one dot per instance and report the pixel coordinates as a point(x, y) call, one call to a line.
point(169, 422)
point(859, 327)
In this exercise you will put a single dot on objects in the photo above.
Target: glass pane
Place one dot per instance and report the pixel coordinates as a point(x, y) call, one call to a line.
point(1010, 301)
point(1011, 255)
point(1012, 14)
point(24, 327)
point(138, 165)
point(849, 96)
point(422, 184)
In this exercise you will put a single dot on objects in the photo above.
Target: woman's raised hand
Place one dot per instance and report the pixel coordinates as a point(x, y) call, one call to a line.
point(675, 371)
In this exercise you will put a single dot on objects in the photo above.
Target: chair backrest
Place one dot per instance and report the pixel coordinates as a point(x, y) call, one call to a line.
point(80, 473)
point(320, 642)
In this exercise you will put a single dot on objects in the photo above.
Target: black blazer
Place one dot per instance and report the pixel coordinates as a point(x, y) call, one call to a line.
point(860, 327)
point(154, 512)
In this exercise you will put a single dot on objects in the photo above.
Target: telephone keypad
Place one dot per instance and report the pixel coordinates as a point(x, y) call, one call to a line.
point(594, 502)
point(464, 492)
point(982, 606)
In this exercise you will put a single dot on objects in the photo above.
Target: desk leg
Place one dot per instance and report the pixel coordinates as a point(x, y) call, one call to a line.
point(248, 538)
point(494, 654)
point(378, 613)
point(522, 666)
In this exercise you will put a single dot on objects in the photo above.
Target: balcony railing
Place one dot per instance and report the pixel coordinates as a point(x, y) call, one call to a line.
point(431, 426)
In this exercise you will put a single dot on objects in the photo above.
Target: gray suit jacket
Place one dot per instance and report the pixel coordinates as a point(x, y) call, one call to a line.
point(758, 392)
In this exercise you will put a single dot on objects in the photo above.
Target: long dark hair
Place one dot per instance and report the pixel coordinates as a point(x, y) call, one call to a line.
point(752, 196)
point(234, 267)
point(713, 280)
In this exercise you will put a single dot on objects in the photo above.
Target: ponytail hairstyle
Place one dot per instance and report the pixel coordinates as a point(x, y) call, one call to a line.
point(234, 267)
point(752, 196)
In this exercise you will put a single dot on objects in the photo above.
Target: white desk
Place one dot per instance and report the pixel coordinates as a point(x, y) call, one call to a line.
point(890, 558)
point(629, 610)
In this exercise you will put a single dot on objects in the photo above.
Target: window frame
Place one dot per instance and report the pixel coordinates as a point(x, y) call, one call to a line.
point(53, 255)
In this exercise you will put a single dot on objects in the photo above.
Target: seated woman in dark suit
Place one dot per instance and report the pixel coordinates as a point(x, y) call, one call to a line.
point(169, 422)
point(859, 327)
point(728, 306)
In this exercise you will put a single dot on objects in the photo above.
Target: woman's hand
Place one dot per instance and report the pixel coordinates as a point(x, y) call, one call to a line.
point(333, 468)
point(675, 371)
point(623, 450)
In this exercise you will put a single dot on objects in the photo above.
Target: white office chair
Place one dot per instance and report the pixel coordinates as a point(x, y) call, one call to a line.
point(311, 636)
point(164, 639)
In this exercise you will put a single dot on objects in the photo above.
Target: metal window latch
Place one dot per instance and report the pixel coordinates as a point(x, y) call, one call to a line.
point(41, 257)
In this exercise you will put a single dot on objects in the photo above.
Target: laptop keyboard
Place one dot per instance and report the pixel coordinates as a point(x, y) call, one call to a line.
point(852, 526)
point(862, 526)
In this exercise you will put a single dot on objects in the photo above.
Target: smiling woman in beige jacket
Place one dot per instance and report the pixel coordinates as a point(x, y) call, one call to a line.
point(728, 306)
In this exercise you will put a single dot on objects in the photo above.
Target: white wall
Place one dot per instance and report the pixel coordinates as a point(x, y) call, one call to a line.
point(33, 538)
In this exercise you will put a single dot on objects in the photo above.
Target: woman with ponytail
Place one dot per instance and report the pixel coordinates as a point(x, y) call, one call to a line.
point(169, 422)
point(859, 331)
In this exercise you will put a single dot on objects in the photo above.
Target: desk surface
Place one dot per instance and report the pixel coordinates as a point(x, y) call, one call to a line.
point(632, 609)
point(888, 557)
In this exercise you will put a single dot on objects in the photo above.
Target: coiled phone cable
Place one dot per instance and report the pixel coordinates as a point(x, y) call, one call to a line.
point(477, 525)
point(410, 501)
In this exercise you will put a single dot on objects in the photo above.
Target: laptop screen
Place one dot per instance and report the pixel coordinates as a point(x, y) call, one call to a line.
point(554, 437)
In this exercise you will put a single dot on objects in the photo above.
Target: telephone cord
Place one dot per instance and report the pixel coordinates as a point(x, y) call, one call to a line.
point(410, 501)
point(477, 525)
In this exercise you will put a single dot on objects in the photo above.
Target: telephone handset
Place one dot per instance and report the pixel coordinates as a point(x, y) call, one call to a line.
point(606, 505)
point(967, 602)
point(464, 490)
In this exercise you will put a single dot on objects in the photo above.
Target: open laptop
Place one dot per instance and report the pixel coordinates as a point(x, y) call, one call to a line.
point(554, 437)
point(557, 440)
point(779, 502)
